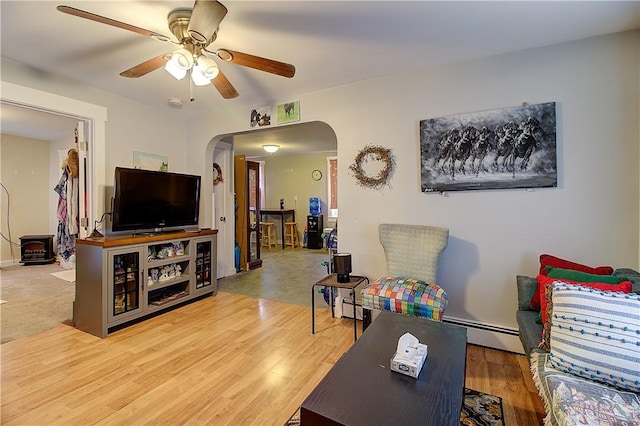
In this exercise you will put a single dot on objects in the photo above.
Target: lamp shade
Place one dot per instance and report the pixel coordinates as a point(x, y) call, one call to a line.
point(182, 58)
point(208, 67)
point(271, 148)
point(342, 266)
point(174, 70)
point(198, 77)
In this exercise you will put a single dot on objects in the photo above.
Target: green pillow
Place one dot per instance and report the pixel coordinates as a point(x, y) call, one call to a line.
point(538, 318)
point(569, 274)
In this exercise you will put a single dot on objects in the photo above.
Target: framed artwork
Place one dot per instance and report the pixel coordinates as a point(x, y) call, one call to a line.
point(147, 161)
point(288, 111)
point(497, 149)
point(260, 116)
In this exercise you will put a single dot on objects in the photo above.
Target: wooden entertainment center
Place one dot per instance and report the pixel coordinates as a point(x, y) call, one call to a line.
point(120, 279)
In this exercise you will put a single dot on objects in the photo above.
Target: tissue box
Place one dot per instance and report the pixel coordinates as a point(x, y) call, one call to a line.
point(412, 366)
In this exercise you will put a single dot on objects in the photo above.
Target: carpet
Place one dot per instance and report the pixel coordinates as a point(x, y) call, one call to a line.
point(36, 300)
point(478, 409)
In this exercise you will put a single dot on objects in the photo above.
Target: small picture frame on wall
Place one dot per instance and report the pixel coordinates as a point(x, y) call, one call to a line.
point(260, 116)
point(148, 161)
point(288, 112)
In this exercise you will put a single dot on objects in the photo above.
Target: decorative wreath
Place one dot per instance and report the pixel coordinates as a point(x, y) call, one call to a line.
point(374, 153)
point(218, 174)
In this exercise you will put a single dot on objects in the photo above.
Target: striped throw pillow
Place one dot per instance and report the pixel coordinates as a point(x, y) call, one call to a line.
point(596, 335)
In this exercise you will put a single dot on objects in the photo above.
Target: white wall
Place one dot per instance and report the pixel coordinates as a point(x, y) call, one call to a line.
point(591, 217)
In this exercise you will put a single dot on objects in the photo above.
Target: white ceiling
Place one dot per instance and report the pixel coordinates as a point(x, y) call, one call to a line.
point(331, 43)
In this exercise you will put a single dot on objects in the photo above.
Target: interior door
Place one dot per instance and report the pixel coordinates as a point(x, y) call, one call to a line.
point(253, 211)
point(222, 217)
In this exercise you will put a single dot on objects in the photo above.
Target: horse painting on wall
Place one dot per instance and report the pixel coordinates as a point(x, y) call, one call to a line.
point(498, 149)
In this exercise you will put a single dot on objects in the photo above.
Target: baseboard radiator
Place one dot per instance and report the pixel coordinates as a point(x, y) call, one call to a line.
point(489, 335)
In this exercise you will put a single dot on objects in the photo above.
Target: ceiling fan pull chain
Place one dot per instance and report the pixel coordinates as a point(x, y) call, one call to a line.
point(192, 96)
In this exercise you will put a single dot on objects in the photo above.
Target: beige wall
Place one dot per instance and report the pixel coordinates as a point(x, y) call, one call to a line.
point(25, 175)
point(289, 177)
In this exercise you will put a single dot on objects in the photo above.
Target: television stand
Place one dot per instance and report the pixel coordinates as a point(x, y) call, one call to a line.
point(124, 279)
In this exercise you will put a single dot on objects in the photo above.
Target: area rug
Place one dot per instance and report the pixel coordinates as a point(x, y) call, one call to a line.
point(478, 409)
point(67, 275)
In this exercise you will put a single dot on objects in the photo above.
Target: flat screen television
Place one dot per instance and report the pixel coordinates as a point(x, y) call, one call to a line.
point(145, 200)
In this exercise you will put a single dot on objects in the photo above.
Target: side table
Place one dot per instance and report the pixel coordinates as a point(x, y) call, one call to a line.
point(332, 281)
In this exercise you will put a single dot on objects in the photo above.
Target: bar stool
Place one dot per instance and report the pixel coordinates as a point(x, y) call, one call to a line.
point(268, 234)
point(291, 235)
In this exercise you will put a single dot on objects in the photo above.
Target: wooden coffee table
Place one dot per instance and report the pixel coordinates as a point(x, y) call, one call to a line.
point(361, 389)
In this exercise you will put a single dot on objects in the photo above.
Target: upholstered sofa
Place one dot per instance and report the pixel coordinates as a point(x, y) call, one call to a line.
point(530, 331)
point(575, 394)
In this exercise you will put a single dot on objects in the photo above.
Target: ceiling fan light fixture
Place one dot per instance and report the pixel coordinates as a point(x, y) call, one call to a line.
point(271, 148)
point(197, 76)
point(177, 72)
point(182, 58)
point(208, 67)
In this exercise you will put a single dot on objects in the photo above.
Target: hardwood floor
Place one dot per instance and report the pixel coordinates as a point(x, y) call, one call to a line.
point(223, 360)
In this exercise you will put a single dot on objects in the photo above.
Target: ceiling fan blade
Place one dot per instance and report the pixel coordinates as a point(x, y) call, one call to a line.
point(205, 19)
point(108, 21)
point(224, 86)
point(146, 67)
point(256, 62)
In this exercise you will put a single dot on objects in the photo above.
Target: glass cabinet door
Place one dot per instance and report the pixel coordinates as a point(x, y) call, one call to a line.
point(125, 296)
point(253, 231)
point(203, 264)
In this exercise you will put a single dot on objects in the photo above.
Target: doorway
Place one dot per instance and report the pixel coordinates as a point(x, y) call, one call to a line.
point(91, 121)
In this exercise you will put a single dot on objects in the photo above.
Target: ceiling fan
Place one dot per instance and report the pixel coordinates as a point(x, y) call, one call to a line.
point(194, 29)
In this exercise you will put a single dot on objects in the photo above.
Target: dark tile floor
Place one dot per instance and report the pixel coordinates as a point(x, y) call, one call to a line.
point(286, 276)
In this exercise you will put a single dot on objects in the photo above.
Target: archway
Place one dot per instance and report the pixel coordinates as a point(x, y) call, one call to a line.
point(300, 138)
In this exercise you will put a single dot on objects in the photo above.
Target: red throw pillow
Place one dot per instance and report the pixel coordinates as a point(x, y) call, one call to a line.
point(556, 262)
point(544, 282)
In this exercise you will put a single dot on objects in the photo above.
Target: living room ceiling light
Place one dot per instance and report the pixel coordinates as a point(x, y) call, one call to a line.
point(271, 148)
point(202, 70)
point(177, 72)
point(208, 67)
point(197, 76)
point(182, 58)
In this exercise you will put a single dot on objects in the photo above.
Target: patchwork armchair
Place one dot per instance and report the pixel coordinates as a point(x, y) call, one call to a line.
point(412, 254)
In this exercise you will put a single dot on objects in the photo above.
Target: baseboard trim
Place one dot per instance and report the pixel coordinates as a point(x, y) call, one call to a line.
point(489, 335)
